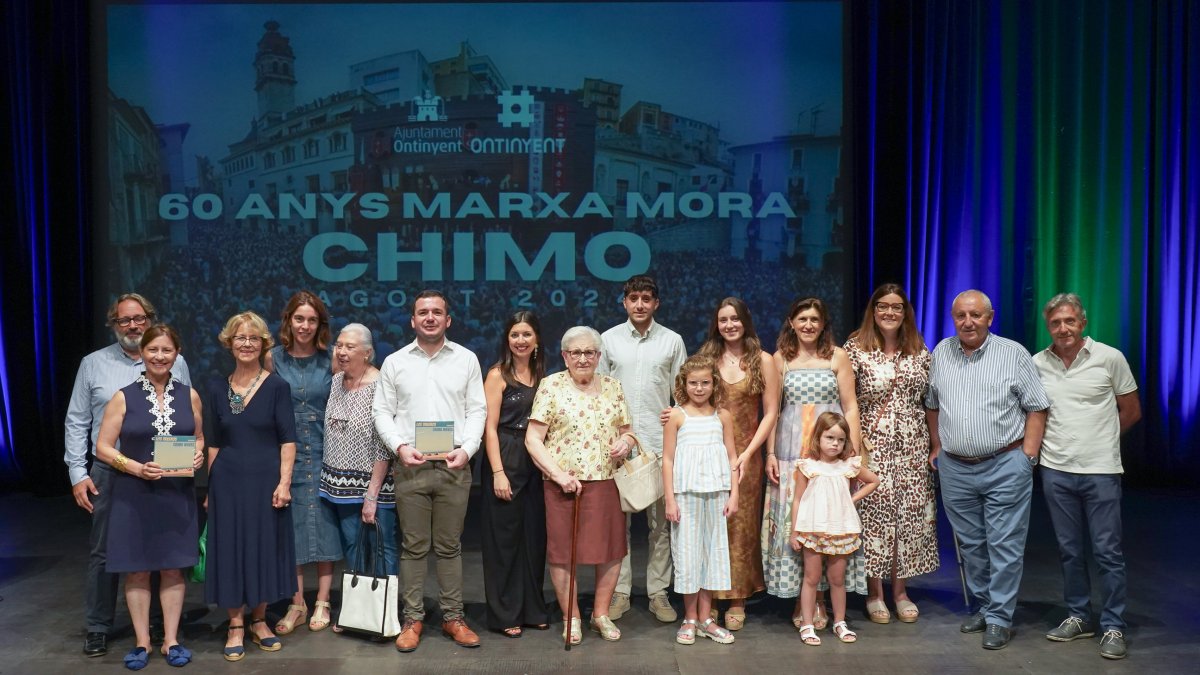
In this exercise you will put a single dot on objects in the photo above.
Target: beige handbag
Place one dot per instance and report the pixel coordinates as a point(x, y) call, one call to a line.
point(639, 480)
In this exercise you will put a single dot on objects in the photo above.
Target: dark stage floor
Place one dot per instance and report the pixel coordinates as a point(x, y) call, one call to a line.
point(43, 555)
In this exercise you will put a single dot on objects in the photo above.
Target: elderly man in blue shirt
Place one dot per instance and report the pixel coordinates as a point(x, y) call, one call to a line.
point(985, 402)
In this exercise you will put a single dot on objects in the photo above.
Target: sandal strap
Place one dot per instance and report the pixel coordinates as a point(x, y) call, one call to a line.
point(715, 629)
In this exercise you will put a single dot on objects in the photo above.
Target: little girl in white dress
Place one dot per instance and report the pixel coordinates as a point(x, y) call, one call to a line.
point(825, 523)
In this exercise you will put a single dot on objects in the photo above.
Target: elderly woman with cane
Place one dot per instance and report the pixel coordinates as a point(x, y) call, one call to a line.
point(578, 434)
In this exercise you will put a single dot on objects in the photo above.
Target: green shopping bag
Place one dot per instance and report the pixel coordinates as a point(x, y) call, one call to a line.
point(196, 573)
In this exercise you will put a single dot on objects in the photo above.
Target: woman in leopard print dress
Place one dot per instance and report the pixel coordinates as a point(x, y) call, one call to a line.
point(891, 368)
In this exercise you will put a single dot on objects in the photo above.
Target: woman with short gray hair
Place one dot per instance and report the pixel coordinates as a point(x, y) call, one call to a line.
point(356, 477)
point(578, 435)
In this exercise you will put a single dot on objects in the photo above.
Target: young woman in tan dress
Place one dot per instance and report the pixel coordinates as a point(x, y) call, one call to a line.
point(752, 387)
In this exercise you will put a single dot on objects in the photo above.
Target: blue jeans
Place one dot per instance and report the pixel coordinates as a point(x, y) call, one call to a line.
point(1086, 508)
point(988, 507)
point(349, 519)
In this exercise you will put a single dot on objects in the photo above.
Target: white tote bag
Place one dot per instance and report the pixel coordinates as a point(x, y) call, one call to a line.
point(370, 603)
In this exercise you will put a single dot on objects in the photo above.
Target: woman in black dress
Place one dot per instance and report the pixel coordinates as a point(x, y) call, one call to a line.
point(153, 515)
point(251, 551)
point(513, 509)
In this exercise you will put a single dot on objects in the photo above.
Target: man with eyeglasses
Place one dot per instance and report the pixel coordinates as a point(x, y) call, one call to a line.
point(101, 374)
point(645, 356)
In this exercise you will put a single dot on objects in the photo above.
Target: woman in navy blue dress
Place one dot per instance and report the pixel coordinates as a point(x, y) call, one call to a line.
point(302, 360)
point(251, 556)
point(153, 516)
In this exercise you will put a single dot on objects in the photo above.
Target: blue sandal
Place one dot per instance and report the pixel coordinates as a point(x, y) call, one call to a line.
point(137, 659)
point(178, 655)
point(235, 653)
point(267, 644)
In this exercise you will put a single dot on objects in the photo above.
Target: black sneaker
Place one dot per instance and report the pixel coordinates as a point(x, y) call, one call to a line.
point(1071, 628)
point(973, 624)
point(996, 637)
point(1112, 644)
point(96, 644)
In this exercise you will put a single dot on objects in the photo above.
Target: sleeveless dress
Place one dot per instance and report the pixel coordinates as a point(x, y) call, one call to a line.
point(315, 527)
point(826, 520)
point(251, 556)
point(701, 483)
point(157, 519)
point(744, 527)
point(900, 516)
point(513, 533)
point(807, 392)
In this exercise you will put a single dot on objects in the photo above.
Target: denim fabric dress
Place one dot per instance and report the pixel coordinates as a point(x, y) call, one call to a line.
point(316, 530)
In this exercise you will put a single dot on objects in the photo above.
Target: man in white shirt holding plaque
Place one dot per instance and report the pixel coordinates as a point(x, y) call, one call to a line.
point(431, 380)
point(645, 356)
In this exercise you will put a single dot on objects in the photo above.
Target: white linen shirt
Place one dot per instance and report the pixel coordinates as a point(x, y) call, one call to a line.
point(1083, 431)
point(101, 374)
point(646, 365)
point(415, 386)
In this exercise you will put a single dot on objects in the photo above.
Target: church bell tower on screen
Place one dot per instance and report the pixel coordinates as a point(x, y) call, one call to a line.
point(275, 73)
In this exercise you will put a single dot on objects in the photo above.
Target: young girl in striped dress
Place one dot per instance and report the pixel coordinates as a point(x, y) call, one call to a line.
point(701, 492)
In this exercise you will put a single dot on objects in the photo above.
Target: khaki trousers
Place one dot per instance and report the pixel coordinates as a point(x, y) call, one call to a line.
point(431, 501)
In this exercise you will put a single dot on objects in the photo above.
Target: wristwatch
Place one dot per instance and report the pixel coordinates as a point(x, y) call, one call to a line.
point(1033, 461)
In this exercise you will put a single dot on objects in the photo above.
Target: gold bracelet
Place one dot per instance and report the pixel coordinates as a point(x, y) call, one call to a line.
point(120, 463)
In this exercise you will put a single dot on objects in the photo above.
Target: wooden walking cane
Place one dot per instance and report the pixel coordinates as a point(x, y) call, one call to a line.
point(571, 584)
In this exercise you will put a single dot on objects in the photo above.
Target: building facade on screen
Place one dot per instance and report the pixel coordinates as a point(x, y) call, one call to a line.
point(807, 168)
point(437, 170)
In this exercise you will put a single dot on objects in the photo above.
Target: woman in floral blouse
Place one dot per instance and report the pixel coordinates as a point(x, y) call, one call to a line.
point(578, 434)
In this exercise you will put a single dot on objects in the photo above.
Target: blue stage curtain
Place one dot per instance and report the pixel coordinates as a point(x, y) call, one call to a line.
point(44, 287)
point(1027, 148)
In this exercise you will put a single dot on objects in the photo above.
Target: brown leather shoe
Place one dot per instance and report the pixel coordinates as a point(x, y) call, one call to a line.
point(457, 630)
point(410, 635)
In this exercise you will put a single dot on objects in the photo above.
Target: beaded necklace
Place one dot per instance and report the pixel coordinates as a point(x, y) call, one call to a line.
point(237, 402)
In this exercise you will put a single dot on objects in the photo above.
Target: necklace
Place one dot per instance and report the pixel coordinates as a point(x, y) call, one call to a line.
point(237, 402)
point(732, 360)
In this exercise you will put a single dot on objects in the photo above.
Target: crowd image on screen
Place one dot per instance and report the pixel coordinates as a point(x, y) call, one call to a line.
point(228, 268)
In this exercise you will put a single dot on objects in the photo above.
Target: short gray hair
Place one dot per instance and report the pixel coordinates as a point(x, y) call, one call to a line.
point(576, 333)
point(987, 302)
point(1068, 299)
point(364, 337)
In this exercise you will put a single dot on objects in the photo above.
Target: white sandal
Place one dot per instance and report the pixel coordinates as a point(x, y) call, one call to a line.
point(576, 629)
point(844, 633)
point(686, 635)
point(809, 636)
point(713, 631)
point(606, 628)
